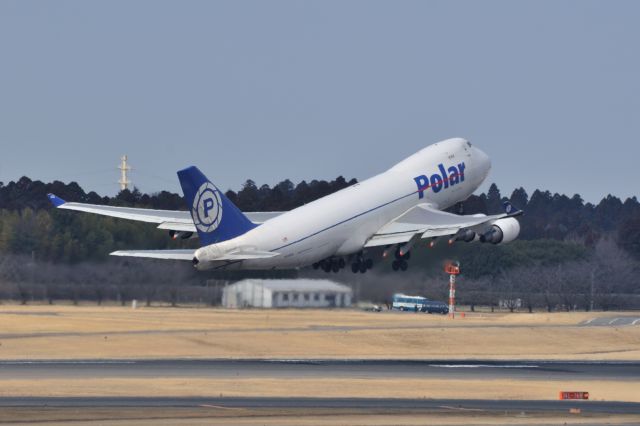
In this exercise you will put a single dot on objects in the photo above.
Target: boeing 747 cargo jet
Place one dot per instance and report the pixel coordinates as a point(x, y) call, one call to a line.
point(395, 209)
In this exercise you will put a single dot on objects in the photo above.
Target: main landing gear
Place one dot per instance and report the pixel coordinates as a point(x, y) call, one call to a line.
point(400, 261)
point(332, 264)
point(335, 264)
point(361, 265)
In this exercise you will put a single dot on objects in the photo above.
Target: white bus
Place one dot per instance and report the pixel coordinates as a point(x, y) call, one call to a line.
point(403, 302)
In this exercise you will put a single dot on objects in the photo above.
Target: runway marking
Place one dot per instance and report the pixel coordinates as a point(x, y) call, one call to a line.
point(68, 362)
point(481, 366)
point(608, 321)
point(222, 407)
point(449, 407)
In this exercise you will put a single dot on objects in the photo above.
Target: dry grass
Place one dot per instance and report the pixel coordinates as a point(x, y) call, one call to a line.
point(319, 387)
point(68, 332)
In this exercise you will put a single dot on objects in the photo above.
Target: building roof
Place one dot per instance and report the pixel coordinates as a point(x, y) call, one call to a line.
point(300, 285)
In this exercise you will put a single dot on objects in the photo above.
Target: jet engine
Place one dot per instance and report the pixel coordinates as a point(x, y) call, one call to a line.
point(501, 231)
point(180, 235)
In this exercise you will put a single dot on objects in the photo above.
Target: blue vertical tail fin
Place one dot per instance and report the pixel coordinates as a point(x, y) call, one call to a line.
point(216, 218)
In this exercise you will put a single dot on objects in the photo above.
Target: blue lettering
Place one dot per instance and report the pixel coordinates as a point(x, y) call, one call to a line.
point(453, 175)
point(423, 183)
point(444, 175)
point(208, 205)
point(436, 183)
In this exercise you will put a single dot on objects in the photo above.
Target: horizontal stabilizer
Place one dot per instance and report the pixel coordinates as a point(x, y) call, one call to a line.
point(157, 254)
point(178, 226)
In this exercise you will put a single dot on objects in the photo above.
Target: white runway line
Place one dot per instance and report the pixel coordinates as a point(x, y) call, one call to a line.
point(481, 366)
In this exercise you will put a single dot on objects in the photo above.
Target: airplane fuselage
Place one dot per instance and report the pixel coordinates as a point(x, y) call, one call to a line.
point(340, 224)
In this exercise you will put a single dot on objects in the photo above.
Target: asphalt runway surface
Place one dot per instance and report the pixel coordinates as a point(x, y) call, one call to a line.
point(478, 369)
point(611, 321)
point(378, 404)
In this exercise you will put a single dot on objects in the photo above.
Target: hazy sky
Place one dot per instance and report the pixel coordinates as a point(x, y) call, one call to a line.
point(301, 90)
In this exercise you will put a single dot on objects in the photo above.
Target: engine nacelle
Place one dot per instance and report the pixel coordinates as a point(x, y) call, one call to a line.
point(502, 231)
point(180, 235)
point(467, 236)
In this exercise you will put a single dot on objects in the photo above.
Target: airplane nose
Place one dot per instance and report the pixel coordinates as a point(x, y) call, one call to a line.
point(482, 159)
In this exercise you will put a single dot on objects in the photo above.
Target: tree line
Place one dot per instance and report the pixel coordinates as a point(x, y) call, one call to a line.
point(29, 223)
point(587, 254)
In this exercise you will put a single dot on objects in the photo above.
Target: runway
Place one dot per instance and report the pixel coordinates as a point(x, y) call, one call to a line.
point(283, 370)
point(187, 368)
point(379, 404)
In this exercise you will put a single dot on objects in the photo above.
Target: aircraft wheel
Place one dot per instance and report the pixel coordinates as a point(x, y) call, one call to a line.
point(404, 265)
point(335, 266)
point(363, 268)
point(369, 263)
point(355, 267)
point(326, 267)
point(341, 263)
point(316, 265)
point(395, 265)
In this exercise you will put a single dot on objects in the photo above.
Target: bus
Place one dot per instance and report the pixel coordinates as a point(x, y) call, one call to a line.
point(403, 302)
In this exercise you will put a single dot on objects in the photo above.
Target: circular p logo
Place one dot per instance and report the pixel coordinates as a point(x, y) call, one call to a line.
point(207, 208)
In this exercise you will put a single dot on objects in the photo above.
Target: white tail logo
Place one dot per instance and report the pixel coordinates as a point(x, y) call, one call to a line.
point(207, 208)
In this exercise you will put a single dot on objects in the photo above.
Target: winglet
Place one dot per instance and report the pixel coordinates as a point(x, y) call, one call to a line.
point(510, 210)
point(56, 201)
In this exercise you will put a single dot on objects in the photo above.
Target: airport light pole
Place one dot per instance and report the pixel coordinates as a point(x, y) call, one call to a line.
point(453, 269)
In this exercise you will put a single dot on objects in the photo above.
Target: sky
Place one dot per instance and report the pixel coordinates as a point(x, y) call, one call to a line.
point(276, 90)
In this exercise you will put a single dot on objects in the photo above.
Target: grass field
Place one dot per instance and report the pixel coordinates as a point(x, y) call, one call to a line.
point(600, 390)
point(86, 332)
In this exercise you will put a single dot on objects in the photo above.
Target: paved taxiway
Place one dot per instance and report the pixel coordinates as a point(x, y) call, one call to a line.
point(478, 369)
point(611, 321)
point(378, 404)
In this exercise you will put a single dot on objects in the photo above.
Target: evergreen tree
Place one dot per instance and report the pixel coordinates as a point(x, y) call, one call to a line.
point(494, 200)
point(519, 198)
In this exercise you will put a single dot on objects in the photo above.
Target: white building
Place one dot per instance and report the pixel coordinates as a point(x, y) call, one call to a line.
point(302, 293)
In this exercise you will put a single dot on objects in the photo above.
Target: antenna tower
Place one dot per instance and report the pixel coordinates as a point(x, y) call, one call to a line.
point(124, 169)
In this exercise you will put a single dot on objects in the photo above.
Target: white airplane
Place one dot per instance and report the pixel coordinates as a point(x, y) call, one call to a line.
point(395, 209)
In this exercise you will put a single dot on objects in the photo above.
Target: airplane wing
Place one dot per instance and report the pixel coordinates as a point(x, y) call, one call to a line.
point(173, 220)
point(427, 222)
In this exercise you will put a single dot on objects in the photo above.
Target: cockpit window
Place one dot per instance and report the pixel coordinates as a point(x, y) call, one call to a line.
point(469, 144)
